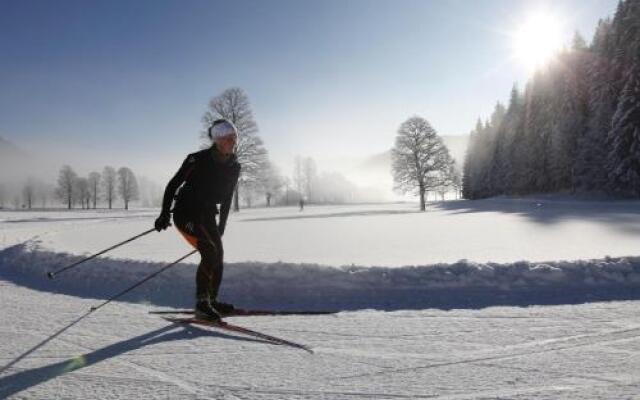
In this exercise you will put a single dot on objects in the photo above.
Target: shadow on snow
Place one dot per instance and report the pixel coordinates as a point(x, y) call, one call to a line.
point(23, 380)
point(623, 215)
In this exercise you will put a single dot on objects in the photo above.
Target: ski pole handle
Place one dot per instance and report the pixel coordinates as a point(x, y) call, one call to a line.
point(52, 274)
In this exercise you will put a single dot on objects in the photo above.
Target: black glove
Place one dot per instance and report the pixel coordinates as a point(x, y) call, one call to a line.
point(163, 221)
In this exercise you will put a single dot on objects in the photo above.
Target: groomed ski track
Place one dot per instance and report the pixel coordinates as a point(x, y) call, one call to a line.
point(589, 351)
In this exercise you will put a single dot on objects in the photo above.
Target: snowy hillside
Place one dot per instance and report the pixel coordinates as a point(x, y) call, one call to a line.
point(442, 327)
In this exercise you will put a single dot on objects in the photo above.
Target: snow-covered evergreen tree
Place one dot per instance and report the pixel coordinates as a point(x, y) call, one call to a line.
point(624, 156)
point(468, 167)
point(575, 126)
point(571, 114)
point(471, 171)
point(513, 130)
point(490, 179)
point(589, 168)
point(623, 159)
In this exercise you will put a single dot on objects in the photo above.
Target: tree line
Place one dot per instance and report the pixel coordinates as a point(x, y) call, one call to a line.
point(111, 184)
point(269, 187)
point(421, 162)
point(260, 179)
point(576, 126)
point(84, 191)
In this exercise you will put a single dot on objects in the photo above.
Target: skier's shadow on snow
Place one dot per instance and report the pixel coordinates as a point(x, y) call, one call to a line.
point(19, 381)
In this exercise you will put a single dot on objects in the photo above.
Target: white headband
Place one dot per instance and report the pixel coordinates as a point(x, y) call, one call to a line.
point(222, 129)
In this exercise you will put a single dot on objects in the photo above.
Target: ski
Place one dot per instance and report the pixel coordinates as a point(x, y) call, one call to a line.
point(239, 312)
point(239, 329)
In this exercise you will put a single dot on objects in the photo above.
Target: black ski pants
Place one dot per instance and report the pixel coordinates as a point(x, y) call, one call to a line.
point(202, 234)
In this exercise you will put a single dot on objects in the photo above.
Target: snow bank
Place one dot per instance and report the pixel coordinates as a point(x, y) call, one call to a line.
point(462, 284)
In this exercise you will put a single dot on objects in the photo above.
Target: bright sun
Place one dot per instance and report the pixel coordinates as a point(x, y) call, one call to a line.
point(537, 40)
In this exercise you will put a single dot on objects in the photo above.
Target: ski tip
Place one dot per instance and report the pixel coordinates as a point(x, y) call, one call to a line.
point(298, 346)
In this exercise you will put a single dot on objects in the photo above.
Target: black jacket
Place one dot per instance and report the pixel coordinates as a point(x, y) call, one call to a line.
point(207, 182)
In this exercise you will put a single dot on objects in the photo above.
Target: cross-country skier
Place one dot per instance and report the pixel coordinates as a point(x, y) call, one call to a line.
point(208, 178)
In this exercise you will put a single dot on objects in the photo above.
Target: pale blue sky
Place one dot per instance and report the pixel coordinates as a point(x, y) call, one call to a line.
point(130, 80)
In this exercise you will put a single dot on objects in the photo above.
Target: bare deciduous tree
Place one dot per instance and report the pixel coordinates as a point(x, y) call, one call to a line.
point(251, 191)
point(272, 182)
point(286, 182)
point(83, 193)
point(456, 181)
point(94, 184)
point(109, 184)
point(43, 191)
point(446, 177)
point(233, 105)
point(418, 154)
point(28, 192)
point(66, 185)
point(305, 174)
point(298, 174)
point(310, 172)
point(127, 186)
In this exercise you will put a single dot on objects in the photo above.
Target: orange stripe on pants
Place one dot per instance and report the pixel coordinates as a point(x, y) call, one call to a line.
point(192, 240)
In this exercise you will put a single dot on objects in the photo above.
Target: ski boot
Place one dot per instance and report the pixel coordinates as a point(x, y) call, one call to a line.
point(223, 308)
point(205, 311)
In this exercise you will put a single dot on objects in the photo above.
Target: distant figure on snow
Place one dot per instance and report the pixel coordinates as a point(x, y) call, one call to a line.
point(301, 204)
point(208, 178)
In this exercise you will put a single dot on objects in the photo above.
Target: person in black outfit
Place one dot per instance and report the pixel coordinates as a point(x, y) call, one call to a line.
point(206, 178)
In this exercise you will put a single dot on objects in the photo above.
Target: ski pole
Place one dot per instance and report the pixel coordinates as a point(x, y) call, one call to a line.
point(94, 308)
point(51, 275)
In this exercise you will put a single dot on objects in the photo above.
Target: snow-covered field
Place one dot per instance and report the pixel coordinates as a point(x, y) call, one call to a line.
point(497, 230)
point(499, 298)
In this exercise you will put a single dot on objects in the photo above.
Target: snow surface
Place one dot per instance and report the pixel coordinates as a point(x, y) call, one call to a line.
point(588, 351)
point(389, 235)
point(564, 324)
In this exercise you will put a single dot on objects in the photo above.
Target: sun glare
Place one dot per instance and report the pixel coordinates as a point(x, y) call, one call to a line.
point(537, 40)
